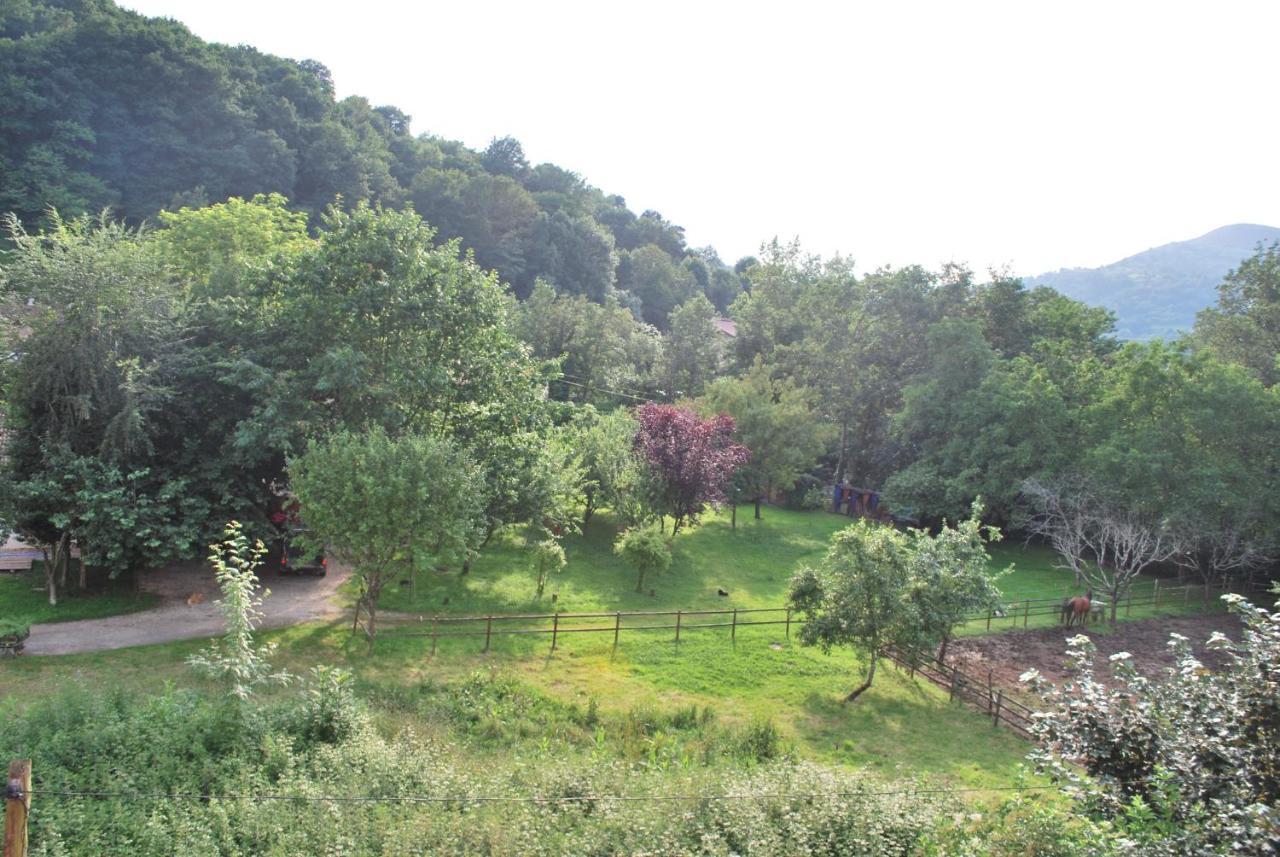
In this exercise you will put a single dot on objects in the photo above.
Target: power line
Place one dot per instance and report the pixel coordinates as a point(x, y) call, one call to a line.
point(601, 390)
point(636, 391)
point(179, 796)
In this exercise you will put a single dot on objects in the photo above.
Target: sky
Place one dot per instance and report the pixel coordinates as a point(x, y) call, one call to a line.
point(1025, 136)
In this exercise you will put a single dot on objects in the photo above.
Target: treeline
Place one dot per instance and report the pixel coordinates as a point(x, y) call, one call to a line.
point(942, 390)
point(107, 109)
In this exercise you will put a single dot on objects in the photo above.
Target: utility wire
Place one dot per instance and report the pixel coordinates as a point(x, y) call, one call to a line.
point(600, 390)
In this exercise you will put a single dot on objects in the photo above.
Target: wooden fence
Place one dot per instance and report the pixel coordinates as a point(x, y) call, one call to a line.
point(678, 622)
point(968, 687)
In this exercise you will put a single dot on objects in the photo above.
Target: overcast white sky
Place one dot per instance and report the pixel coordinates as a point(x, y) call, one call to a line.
point(1032, 135)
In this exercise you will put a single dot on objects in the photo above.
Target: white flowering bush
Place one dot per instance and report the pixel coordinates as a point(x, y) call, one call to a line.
point(1189, 764)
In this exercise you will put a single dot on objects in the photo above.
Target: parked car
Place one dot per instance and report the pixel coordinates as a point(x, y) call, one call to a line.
point(296, 559)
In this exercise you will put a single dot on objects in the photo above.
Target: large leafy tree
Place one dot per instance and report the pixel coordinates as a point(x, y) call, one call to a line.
point(1244, 327)
point(692, 355)
point(100, 434)
point(388, 506)
point(691, 459)
point(774, 419)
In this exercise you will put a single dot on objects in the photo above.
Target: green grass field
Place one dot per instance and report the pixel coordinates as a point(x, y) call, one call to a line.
point(900, 728)
point(24, 600)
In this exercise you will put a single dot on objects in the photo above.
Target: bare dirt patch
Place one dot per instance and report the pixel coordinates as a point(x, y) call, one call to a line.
point(1007, 656)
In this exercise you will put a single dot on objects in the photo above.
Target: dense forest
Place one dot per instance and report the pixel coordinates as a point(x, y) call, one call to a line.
point(105, 109)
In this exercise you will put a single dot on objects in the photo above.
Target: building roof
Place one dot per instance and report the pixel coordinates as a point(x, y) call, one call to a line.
point(727, 326)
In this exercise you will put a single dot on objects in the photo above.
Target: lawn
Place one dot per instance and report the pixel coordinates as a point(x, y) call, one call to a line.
point(24, 600)
point(753, 563)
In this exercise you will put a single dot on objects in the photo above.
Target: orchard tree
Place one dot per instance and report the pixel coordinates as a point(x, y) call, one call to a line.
point(614, 476)
point(691, 459)
point(774, 419)
point(645, 549)
point(387, 506)
point(880, 588)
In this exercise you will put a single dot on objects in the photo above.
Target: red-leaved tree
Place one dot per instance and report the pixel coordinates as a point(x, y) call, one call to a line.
point(692, 459)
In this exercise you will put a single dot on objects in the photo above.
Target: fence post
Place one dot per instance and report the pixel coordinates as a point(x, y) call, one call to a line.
point(990, 696)
point(435, 620)
point(955, 677)
point(989, 618)
point(1026, 612)
point(617, 628)
point(995, 718)
point(488, 631)
point(733, 629)
point(17, 805)
point(555, 629)
point(788, 623)
point(678, 626)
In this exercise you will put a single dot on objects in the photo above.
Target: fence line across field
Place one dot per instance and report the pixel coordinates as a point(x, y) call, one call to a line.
point(1011, 614)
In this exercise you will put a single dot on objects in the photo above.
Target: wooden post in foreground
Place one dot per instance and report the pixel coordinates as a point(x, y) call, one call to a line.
point(17, 805)
point(617, 628)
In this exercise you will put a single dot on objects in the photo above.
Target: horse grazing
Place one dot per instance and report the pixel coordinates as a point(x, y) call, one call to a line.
point(1075, 611)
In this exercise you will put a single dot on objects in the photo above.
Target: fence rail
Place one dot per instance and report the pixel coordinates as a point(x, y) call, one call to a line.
point(1011, 614)
point(1002, 708)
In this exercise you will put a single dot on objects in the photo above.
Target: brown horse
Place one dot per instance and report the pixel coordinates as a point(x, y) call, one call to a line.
point(1075, 611)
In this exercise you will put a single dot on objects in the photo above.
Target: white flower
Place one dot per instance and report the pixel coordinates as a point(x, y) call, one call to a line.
point(1120, 656)
point(1029, 675)
point(1218, 640)
point(1233, 598)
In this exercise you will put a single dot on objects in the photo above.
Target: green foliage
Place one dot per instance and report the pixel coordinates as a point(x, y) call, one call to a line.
point(614, 477)
point(774, 419)
point(546, 557)
point(880, 588)
point(1244, 327)
point(388, 506)
point(236, 660)
point(644, 548)
point(692, 355)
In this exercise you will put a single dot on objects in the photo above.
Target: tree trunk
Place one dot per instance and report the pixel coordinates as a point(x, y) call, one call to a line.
point(840, 461)
point(589, 510)
point(1115, 603)
point(640, 581)
point(757, 508)
point(733, 516)
point(942, 650)
point(84, 575)
point(871, 674)
point(675, 526)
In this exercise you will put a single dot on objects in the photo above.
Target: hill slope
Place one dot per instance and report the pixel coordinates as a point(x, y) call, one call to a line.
point(1159, 291)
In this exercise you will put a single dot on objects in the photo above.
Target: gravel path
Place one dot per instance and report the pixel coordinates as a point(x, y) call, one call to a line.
point(292, 600)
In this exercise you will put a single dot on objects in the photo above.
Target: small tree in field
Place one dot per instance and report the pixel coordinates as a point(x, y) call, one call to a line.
point(644, 549)
point(386, 505)
point(236, 659)
point(857, 595)
point(692, 459)
point(546, 557)
point(880, 588)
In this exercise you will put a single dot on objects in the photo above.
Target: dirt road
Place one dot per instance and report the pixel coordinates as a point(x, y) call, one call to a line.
point(292, 600)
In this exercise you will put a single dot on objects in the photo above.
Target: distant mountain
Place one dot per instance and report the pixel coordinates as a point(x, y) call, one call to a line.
point(1159, 291)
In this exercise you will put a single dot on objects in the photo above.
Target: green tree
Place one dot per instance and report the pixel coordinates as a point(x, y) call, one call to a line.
point(774, 419)
point(387, 506)
point(692, 350)
point(645, 549)
point(649, 273)
point(880, 588)
point(613, 475)
point(1244, 327)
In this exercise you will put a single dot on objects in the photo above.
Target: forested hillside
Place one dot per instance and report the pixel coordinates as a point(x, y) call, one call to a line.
point(105, 109)
point(1159, 291)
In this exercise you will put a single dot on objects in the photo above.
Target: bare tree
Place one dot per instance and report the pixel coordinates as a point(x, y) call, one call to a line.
point(1106, 544)
point(1218, 551)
